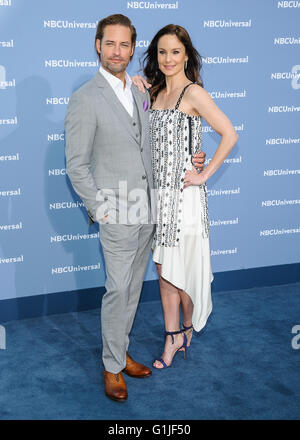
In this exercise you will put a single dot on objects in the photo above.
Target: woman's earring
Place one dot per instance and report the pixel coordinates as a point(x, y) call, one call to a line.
point(185, 65)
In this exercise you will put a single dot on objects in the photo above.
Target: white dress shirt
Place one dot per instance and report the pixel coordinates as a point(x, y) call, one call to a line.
point(123, 94)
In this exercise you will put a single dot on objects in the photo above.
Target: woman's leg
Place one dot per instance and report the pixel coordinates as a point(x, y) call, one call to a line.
point(187, 308)
point(170, 299)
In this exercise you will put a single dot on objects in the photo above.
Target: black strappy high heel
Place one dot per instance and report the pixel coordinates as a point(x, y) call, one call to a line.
point(185, 329)
point(183, 346)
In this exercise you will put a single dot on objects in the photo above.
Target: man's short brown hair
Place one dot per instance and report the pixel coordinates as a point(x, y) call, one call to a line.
point(115, 19)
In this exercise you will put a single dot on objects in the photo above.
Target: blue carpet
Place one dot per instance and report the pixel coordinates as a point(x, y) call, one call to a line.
point(242, 366)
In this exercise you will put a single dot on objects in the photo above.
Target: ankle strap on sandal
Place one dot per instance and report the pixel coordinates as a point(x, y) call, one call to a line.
point(173, 333)
point(187, 328)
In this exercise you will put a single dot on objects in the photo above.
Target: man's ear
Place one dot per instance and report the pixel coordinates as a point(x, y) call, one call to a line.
point(98, 45)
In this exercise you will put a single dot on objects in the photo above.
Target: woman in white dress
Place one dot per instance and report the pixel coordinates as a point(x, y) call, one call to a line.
point(181, 243)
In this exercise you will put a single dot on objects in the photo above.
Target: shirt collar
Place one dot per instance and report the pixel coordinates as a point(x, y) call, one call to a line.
point(114, 81)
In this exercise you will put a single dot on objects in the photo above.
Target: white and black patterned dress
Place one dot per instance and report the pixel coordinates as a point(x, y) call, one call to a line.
point(181, 241)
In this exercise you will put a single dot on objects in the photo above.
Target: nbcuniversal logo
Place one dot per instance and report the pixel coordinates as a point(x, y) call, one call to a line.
point(152, 5)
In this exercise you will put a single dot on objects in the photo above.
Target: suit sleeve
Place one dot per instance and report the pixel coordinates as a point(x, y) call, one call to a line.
point(80, 129)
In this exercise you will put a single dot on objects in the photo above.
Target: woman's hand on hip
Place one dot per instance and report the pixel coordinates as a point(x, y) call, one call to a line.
point(199, 159)
point(193, 178)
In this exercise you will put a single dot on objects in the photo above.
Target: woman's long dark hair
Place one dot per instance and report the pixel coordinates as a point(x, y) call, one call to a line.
point(150, 64)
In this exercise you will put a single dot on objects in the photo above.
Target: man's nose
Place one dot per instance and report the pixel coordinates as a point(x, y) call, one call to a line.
point(117, 50)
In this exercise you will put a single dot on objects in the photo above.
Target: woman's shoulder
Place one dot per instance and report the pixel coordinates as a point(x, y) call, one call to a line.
point(195, 92)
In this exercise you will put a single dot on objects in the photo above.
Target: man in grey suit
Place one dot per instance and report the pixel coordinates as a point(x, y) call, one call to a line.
point(109, 164)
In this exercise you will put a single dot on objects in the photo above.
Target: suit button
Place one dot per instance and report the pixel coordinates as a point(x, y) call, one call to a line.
point(134, 124)
point(105, 198)
point(144, 176)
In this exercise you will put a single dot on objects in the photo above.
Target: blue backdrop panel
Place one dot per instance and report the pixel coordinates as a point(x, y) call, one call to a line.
point(251, 67)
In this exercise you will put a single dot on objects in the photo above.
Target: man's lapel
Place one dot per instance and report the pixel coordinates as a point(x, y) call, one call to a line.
point(113, 102)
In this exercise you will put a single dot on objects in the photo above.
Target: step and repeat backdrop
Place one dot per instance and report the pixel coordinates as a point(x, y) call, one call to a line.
point(251, 68)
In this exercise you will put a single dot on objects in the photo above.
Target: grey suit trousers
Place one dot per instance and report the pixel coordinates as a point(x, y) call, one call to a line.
point(126, 250)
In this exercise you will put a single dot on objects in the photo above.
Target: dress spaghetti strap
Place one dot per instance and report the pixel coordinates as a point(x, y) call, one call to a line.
point(181, 96)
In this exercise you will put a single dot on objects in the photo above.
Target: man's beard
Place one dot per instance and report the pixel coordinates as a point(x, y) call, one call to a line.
point(115, 68)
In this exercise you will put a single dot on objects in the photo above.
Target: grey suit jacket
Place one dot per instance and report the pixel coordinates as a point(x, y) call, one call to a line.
point(102, 148)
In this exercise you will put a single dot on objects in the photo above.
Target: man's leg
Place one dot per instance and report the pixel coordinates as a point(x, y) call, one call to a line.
point(139, 267)
point(120, 246)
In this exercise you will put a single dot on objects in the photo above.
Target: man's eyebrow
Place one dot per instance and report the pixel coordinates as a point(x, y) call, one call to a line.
point(112, 41)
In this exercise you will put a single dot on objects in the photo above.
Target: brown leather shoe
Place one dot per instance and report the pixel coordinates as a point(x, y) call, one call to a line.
point(115, 386)
point(135, 369)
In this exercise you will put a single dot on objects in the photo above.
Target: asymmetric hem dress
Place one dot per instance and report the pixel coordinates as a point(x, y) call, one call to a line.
point(181, 242)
